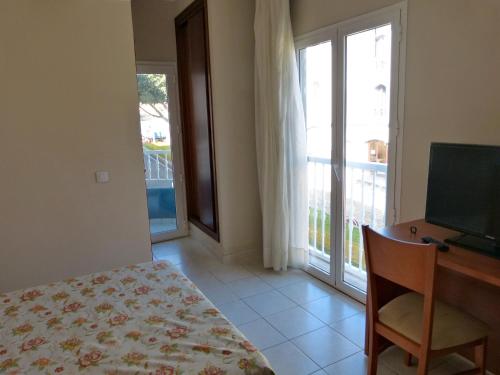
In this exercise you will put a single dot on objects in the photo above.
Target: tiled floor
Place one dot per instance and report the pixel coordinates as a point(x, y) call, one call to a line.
point(157, 226)
point(302, 325)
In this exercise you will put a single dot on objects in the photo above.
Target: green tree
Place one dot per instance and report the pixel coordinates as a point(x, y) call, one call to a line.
point(153, 94)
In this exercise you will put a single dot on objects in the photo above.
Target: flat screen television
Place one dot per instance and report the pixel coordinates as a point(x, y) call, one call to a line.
point(463, 193)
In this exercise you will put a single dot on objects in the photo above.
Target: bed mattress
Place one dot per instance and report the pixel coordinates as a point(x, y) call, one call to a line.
point(141, 319)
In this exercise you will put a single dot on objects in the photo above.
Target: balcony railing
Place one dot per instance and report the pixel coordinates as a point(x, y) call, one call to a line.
point(364, 203)
point(158, 168)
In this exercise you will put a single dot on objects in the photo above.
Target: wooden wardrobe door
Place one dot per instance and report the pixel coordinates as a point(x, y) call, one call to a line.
point(196, 115)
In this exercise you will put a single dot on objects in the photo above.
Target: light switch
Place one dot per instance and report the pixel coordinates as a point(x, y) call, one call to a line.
point(102, 177)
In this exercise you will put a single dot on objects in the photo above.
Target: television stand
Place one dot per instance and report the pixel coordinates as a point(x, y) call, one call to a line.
point(482, 245)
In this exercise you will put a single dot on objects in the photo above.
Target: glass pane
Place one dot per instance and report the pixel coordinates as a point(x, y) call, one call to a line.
point(156, 145)
point(368, 73)
point(316, 83)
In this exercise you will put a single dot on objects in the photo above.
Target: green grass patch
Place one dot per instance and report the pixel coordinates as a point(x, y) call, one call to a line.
point(356, 235)
point(153, 147)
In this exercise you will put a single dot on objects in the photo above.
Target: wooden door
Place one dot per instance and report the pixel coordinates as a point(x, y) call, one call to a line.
point(196, 115)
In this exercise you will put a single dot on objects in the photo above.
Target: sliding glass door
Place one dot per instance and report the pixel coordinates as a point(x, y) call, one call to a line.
point(161, 145)
point(350, 78)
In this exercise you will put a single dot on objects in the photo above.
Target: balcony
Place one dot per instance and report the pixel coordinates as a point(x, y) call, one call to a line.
point(160, 190)
point(158, 168)
point(364, 203)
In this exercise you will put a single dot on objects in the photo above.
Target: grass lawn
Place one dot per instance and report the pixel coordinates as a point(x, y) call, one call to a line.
point(319, 224)
point(153, 147)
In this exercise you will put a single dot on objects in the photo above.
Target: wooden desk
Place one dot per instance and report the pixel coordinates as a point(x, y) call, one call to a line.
point(466, 279)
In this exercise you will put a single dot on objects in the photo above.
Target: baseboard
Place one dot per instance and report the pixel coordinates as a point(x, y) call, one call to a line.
point(229, 256)
point(213, 246)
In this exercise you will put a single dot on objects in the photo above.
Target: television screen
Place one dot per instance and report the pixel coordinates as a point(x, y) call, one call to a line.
point(463, 189)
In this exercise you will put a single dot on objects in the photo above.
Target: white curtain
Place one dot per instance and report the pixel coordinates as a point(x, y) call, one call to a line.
point(280, 137)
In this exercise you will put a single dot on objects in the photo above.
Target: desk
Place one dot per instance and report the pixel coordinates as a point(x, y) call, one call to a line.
point(465, 279)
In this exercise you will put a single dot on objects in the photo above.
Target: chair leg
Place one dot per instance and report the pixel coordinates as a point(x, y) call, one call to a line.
point(373, 352)
point(408, 358)
point(480, 356)
point(423, 363)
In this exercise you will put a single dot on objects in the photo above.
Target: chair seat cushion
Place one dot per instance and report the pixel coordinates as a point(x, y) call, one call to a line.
point(451, 326)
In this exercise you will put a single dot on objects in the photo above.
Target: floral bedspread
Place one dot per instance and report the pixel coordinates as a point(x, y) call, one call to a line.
point(142, 319)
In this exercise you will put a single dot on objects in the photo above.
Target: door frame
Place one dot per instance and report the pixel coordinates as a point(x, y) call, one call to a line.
point(170, 70)
point(396, 15)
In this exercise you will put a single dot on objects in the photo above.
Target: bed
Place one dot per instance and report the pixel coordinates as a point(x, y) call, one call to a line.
point(141, 319)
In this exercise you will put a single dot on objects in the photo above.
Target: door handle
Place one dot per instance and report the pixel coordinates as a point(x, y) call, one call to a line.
point(336, 170)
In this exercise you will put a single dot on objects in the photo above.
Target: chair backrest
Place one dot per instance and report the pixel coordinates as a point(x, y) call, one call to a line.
point(410, 265)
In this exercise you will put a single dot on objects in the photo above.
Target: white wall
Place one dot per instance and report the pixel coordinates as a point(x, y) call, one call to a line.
point(452, 76)
point(230, 25)
point(69, 108)
point(154, 29)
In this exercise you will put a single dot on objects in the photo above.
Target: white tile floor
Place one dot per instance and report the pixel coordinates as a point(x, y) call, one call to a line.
point(302, 325)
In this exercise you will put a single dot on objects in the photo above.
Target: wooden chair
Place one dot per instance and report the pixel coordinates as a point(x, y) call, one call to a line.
point(415, 321)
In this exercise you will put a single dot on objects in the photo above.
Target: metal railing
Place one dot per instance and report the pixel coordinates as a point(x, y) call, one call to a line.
point(158, 168)
point(319, 181)
point(365, 203)
point(365, 185)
